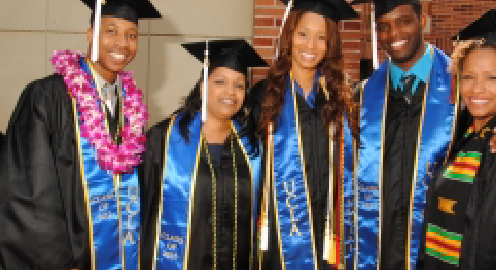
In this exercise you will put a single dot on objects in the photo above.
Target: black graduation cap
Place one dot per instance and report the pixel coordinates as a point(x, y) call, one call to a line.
point(382, 7)
point(484, 27)
point(335, 10)
point(130, 10)
point(235, 53)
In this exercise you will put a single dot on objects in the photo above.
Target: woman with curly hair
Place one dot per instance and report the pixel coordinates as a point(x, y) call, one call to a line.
point(201, 179)
point(461, 215)
point(304, 103)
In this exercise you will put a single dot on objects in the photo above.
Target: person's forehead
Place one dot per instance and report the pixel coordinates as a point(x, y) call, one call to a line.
point(111, 20)
point(405, 10)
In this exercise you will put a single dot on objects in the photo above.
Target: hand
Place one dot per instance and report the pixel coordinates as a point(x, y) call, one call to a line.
point(492, 143)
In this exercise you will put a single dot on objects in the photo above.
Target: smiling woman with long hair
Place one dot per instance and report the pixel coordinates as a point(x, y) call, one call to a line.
point(201, 179)
point(461, 214)
point(305, 101)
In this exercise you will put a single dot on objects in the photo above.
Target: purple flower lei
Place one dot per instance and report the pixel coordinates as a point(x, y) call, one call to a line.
point(121, 158)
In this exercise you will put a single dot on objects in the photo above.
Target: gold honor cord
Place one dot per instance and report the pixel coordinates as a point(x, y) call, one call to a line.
point(302, 157)
point(274, 197)
point(161, 203)
point(81, 168)
point(414, 182)
point(415, 168)
point(214, 206)
point(247, 159)
point(190, 201)
point(266, 190)
point(331, 253)
point(116, 178)
point(356, 166)
point(84, 185)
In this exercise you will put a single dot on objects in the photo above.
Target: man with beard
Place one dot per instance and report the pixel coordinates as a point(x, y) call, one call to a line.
point(408, 114)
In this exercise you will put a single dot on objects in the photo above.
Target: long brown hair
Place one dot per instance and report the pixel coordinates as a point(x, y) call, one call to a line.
point(340, 100)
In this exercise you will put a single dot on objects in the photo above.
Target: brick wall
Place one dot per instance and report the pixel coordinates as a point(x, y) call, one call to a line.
point(445, 18)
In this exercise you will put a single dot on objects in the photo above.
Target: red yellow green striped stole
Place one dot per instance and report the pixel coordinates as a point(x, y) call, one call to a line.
point(442, 244)
point(464, 167)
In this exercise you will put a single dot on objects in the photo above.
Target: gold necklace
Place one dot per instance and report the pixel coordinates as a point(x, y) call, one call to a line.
point(214, 207)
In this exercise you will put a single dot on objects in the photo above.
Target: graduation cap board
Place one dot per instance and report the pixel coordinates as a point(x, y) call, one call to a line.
point(382, 7)
point(484, 28)
point(235, 54)
point(130, 10)
point(335, 10)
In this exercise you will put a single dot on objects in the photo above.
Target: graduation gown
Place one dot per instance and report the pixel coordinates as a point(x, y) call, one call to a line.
point(315, 139)
point(402, 127)
point(392, 203)
point(42, 214)
point(460, 214)
point(200, 226)
point(42, 207)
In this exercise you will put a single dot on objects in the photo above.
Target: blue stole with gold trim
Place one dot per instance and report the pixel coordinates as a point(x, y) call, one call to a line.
point(291, 194)
point(436, 129)
point(114, 206)
point(178, 189)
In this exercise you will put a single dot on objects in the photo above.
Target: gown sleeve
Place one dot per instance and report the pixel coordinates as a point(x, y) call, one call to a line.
point(36, 186)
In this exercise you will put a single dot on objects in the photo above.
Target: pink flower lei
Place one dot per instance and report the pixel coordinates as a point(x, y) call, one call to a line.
point(121, 158)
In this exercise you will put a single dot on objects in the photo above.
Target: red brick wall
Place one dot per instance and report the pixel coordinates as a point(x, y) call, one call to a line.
point(446, 17)
point(450, 16)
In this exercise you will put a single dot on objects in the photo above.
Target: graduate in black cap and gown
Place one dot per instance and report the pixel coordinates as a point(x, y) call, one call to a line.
point(70, 193)
point(461, 202)
point(305, 102)
point(408, 116)
point(202, 170)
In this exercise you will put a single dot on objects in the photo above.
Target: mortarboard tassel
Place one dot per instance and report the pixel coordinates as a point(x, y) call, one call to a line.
point(205, 85)
point(96, 31)
point(264, 235)
point(374, 39)
point(286, 14)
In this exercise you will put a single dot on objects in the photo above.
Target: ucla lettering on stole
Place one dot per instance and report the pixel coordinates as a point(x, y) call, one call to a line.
point(130, 225)
point(290, 194)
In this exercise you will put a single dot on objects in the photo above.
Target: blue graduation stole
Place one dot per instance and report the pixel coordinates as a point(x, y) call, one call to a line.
point(112, 205)
point(181, 159)
point(292, 203)
point(436, 130)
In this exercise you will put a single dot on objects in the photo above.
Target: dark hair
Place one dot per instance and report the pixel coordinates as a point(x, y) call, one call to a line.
point(417, 8)
point(340, 99)
point(192, 103)
point(464, 48)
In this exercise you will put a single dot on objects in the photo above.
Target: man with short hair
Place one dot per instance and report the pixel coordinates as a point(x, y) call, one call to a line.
point(70, 193)
point(407, 121)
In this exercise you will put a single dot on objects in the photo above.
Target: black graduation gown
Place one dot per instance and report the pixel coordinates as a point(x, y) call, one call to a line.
point(402, 126)
point(42, 210)
point(316, 153)
point(2, 138)
point(200, 256)
point(478, 219)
